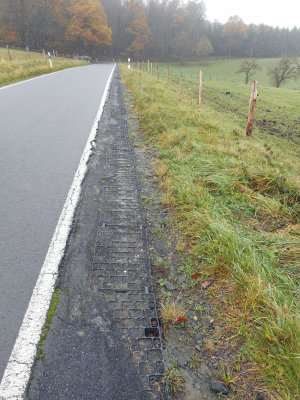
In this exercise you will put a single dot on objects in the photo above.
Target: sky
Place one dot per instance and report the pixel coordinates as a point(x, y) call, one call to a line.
point(269, 12)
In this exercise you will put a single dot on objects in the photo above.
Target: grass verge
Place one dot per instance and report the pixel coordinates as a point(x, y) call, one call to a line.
point(25, 65)
point(235, 202)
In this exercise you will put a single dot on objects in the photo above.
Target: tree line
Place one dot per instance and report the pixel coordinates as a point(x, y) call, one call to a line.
point(149, 29)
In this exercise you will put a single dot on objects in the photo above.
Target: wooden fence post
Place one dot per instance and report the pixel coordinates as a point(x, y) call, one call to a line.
point(8, 52)
point(200, 86)
point(151, 67)
point(148, 66)
point(167, 75)
point(252, 108)
point(157, 72)
point(180, 83)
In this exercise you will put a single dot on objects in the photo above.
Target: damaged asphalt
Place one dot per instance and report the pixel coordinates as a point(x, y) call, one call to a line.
point(104, 341)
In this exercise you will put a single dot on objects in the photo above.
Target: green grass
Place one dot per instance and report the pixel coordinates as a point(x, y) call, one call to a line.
point(225, 71)
point(50, 315)
point(236, 204)
point(26, 65)
point(277, 111)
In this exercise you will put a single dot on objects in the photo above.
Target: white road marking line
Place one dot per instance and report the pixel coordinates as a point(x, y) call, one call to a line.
point(17, 372)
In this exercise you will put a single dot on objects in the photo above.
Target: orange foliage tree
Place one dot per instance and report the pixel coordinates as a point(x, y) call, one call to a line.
point(138, 29)
point(9, 34)
point(88, 27)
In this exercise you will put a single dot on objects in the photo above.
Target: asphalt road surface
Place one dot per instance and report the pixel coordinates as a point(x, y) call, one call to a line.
point(44, 127)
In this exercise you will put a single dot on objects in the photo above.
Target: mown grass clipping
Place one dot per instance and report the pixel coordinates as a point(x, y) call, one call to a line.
point(235, 201)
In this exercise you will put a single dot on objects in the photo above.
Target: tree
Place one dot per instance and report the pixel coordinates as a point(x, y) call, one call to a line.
point(9, 34)
point(88, 27)
point(138, 29)
point(248, 67)
point(286, 68)
point(234, 34)
point(194, 20)
point(183, 47)
point(204, 47)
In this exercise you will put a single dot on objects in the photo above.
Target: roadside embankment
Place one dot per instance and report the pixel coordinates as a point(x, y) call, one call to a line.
point(234, 204)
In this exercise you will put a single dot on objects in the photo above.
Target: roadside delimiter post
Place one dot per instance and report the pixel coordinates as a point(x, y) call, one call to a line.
point(50, 61)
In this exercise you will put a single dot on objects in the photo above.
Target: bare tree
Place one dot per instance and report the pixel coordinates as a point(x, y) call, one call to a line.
point(286, 68)
point(248, 67)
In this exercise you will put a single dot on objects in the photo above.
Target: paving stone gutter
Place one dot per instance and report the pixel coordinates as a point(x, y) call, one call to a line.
point(104, 341)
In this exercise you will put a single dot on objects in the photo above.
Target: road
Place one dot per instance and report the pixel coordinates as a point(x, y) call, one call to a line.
point(44, 127)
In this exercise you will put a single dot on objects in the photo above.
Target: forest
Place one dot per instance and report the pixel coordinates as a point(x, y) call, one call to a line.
point(160, 30)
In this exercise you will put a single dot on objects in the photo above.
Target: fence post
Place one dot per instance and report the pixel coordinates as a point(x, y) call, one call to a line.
point(8, 52)
point(252, 108)
point(167, 75)
point(148, 66)
point(200, 86)
point(157, 72)
point(180, 83)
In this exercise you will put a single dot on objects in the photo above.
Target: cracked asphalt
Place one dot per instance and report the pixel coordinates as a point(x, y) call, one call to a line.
point(44, 126)
point(104, 342)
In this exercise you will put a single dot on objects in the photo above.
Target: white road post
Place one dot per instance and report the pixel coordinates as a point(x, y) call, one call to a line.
point(50, 61)
point(129, 63)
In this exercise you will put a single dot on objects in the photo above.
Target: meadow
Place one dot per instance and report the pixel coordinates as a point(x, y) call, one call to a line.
point(24, 65)
point(224, 70)
point(235, 203)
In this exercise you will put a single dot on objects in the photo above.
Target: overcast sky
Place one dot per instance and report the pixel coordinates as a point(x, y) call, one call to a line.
point(284, 13)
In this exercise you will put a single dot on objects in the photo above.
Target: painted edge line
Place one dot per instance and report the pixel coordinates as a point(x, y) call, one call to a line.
point(40, 76)
point(17, 373)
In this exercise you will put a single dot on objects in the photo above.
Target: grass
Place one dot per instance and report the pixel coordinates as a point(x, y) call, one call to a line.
point(174, 380)
point(172, 312)
point(50, 315)
point(235, 202)
point(225, 71)
point(26, 65)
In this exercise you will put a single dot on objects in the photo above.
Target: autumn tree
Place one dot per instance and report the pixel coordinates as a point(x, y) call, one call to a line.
point(138, 29)
point(234, 34)
point(204, 47)
point(248, 67)
point(286, 68)
point(17, 13)
point(9, 33)
point(88, 27)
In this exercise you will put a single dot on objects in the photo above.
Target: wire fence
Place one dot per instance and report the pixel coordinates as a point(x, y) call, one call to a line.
point(11, 48)
point(193, 83)
point(143, 66)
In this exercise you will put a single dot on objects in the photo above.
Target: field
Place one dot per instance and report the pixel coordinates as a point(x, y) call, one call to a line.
point(235, 206)
point(277, 111)
point(225, 71)
point(25, 65)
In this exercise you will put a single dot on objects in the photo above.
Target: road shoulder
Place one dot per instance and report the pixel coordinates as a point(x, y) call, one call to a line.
point(104, 341)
